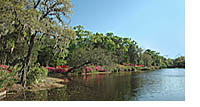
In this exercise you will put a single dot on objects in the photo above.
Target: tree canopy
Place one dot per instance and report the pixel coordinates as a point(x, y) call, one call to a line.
point(28, 21)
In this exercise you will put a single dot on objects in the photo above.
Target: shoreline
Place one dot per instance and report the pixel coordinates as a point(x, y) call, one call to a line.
point(48, 83)
point(96, 73)
point(56, 82)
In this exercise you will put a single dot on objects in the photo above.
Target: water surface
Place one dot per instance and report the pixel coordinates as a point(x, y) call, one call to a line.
point(159, 85)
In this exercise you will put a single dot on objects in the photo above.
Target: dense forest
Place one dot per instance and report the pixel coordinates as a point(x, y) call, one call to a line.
point(35, 34)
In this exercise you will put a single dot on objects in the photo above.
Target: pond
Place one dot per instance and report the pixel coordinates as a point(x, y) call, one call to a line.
point(158, 85)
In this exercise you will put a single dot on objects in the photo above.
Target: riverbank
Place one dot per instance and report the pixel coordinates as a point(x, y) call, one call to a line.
point(56, 80)
point(96, 73)
point(48, 83)
point(130, 85)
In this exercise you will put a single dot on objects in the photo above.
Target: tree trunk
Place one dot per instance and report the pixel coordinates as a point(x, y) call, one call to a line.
point(26, 64)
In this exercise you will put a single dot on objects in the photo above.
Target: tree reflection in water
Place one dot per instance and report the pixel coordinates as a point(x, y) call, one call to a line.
point(157, 85)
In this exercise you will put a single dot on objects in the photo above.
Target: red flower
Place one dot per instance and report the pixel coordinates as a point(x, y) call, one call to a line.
point(50, 68)
point(98, 68)
point(101, 70)
point(88, 69)
point(5, 67)
point(58, 66)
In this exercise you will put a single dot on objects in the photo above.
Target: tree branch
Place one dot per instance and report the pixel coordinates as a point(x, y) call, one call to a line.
point(49, 10)
point(37, 4)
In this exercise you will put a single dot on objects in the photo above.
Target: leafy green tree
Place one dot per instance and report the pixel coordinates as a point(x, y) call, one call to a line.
point(147, 60)
point(180, 62)
point(49, 55)
point(123, 49)
point(81, 38)
point(80, 58)
point(156, 58)
point(29, 19)
point(169, 62)
point(140, 54)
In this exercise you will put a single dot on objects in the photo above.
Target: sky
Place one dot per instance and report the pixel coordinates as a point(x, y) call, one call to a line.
point(154, 24)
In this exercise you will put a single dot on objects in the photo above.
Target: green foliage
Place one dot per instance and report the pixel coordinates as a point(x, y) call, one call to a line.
point(7, 78)
point(115, 69)
point(53, 52)
point(124, 50)
point(4, 75)
point(180, 62)
point(169, 62)
point(147, 60)
point(36, 74)
point(80, 58)
point(25, 22)
point(133, 54)
point(120, 47)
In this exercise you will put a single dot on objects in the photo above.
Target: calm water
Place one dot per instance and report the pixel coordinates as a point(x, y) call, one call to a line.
point(159, 85)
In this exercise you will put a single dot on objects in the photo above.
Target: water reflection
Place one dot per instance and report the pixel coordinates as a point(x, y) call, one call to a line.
point(166, 84)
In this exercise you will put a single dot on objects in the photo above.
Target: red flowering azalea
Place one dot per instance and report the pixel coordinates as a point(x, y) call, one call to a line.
point(50, 68)
point(88, 69)
point(58, 66)
point(98, 68)
point(66, 70)
point(5, 67)
point(139, 65)
point(129, 64)
point(101, 70)
point(64, 66)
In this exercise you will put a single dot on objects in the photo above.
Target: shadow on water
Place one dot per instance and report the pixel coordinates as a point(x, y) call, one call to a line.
point(166, 85)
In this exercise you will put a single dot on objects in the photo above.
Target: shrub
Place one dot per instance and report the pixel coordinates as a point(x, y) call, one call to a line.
point(7, 77)
point(36, 74)
point(88, 69)
point(115, 70)
point(3, 78)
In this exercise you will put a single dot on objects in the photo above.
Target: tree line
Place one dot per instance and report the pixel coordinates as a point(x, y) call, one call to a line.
point(35, 33)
